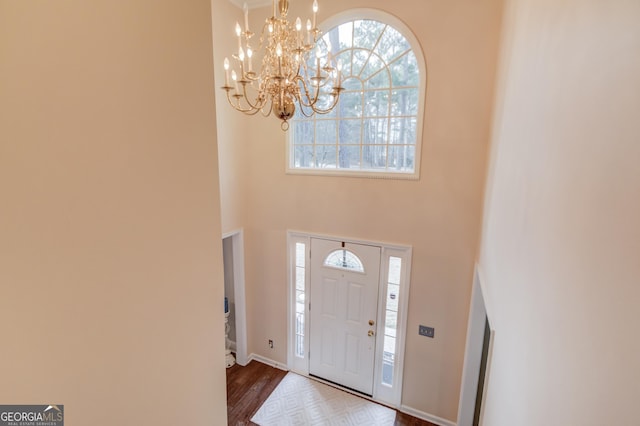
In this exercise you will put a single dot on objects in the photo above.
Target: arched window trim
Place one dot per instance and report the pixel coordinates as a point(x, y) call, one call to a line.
point(400, 26)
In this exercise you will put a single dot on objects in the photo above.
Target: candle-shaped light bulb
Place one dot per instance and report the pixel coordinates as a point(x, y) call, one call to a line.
point(279, 55)
point(308, 31)
point(298, 24)
point(239, 34)
point(234, 77)
point(241, 54)
point(249, 55)
point(226, 72)
point(309, 25)
point(315, 11)
point(245, 9)
point(270, 27)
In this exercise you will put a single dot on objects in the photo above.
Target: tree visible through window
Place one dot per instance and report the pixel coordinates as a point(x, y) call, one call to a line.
point(374, 126)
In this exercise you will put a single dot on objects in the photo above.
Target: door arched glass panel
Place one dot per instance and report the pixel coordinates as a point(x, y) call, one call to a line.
point(344, 259)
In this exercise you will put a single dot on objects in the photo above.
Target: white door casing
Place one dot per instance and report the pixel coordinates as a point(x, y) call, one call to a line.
point(343, 315)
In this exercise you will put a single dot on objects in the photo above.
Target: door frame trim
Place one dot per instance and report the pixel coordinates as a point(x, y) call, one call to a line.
point(388, 395)
point(237, 248)
point(479, 313)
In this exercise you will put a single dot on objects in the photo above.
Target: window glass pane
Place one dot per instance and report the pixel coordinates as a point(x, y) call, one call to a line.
point(404, 101)
point(403, 130)
point(380, 80)
point(392, 44)
point(300, 278)
point(393, 293)
point(366, 33)
point(391, 323)
point(303, 131)
point(300, 260)
point(358, 61)
point(345, 36)
point(326, 131)
point(395, 263)
point(303, 156)
point(388, 360)
point(349, 156)
point(350, 131)
point(344, 259)
point(300, 300)
point(351, 84)
point(299, 344)
point(374, 157)
point(300, 256)
point(404, 71)
point(350, 104)
point(387, 368)
point(345, 58)
point(373, 65)
point(375, 131)
point(325, 156)
point(401, 157)
point(376, 103)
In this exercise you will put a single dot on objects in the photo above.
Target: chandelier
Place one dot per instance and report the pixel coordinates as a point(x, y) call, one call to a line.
point(288, 75)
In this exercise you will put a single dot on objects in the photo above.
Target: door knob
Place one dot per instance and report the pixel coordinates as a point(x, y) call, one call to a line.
point(370, 333)
point(371, 322)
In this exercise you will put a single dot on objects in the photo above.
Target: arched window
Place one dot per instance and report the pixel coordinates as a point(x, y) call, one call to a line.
point(376, 127)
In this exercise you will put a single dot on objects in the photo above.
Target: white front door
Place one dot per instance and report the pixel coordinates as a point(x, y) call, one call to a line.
point(343, 310)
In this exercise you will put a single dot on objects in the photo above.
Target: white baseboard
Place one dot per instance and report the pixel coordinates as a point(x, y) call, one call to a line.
point(426, 416)
point(267, 361)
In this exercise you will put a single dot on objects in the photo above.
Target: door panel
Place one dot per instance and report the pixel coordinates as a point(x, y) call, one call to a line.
point(343, 300)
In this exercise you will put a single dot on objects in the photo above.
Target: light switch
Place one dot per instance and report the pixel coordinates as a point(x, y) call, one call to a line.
point(423, 330)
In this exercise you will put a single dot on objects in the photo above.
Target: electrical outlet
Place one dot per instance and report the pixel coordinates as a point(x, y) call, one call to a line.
point(423, 330)
point(270, 343)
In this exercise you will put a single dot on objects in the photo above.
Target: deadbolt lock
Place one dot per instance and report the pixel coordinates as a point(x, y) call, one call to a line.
point(371, 322)
point(370, 333)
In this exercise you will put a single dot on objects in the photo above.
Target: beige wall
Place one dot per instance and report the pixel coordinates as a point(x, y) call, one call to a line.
point(439, 215)
point(110, 254)
point(232, 131)
point(561, 237)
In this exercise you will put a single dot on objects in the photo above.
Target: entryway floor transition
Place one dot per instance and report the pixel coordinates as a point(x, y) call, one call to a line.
point(249, 387)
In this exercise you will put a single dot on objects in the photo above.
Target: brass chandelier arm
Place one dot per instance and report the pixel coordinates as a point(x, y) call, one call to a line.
point(259, 102)
point(237, 106)
point(310, 102)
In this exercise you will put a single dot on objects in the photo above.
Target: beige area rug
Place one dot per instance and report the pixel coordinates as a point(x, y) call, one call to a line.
point(298, 400)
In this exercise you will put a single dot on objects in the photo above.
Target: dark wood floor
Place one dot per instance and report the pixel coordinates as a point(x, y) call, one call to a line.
point(248, 387)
